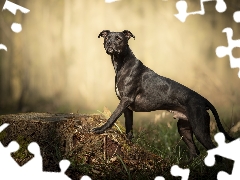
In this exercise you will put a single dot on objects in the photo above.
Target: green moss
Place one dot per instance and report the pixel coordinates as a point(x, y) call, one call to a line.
point(3, 134)
point(22, 153)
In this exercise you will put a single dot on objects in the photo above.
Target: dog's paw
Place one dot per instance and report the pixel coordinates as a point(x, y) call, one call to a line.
point(130, 135)
point(97, 130)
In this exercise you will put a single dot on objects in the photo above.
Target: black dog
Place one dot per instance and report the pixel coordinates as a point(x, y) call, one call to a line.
point(142, 90)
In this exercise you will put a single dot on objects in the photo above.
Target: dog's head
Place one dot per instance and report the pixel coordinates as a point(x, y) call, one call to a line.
point(114, 42)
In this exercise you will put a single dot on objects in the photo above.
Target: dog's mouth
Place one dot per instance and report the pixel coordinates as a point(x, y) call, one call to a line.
point(110, 50)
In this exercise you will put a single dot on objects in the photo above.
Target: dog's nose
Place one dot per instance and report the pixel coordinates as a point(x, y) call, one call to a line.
point(109, 43)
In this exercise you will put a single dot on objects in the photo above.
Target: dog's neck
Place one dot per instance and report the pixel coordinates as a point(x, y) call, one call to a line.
point(118, 60)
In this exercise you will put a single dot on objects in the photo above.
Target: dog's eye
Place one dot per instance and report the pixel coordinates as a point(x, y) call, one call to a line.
point(118, 38)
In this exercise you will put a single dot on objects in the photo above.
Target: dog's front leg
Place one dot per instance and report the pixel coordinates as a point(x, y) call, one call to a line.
point(124, 103)
point(128, 114)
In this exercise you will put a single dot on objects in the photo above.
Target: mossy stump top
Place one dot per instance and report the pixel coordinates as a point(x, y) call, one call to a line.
point(68, 136)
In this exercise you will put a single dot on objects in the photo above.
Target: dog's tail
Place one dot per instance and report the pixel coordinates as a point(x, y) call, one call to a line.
point(219, 124)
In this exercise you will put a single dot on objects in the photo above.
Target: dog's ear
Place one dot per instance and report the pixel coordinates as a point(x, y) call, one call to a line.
point(128, 34)
point(104, 33)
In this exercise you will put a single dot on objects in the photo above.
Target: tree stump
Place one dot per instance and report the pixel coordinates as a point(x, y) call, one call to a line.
point(68, 136)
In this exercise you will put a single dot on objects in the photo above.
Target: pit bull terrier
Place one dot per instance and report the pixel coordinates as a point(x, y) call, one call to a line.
point(140, 89)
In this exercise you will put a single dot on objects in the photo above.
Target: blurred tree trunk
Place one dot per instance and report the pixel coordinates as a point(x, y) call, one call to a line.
point(15, 63)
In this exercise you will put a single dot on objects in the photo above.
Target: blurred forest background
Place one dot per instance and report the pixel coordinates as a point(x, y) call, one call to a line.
point(57, 63)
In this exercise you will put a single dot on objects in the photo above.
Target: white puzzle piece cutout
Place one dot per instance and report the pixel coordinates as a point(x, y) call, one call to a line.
point(222, 51)
point(33, 169)
point(12, 7)
point(7, 163)
point(2, 46)
point(86, 178)
point(35, 164)
point(236, 16)
point(229, 151)
point(3, 126)
point(177, 171)
point(182, 8)
point(159, 178)
point(16, 27)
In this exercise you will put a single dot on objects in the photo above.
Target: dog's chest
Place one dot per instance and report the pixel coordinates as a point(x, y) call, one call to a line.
point(117, 92)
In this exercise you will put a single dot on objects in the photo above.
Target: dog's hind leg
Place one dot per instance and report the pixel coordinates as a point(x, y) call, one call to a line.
point(200, 123)
point(199, 120)
point(186, 132)
point(128, 114)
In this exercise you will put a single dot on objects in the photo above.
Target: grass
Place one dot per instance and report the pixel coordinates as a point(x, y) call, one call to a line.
point(125, 168)
point(163, 139)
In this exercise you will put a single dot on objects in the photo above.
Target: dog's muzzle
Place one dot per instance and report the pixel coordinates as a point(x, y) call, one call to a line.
point(110, 50)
